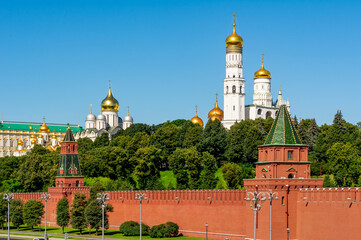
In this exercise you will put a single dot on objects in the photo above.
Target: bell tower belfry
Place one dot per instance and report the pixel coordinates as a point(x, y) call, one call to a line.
point(234, 92)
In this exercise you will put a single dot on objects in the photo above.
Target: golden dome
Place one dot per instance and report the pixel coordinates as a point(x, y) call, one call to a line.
point(197, 120)
point(53, 137)
point(43, 128)
point(33, 141)
point(216, 113)
point(110, 103)
point(40, 136)
point(33, 136)
point(234, 40)
point(20, 143)
point(262, 72)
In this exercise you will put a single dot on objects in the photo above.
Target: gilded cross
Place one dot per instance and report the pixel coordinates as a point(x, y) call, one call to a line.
point(234, 18)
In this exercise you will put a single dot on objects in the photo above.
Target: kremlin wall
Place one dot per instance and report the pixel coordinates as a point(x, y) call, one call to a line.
point(303, 209)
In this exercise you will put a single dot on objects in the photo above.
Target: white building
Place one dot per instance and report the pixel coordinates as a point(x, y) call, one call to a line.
point(235, 108)
point(107, 121)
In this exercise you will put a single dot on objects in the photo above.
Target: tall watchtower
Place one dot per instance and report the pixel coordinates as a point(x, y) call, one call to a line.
point(69, 173)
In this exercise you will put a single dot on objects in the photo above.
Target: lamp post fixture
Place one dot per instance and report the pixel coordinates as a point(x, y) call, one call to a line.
point(257, 198)
point(102, 197)
point(206, 231)
point(46, 197)
point(140, 197)
point(271, 196)
point(8, 197)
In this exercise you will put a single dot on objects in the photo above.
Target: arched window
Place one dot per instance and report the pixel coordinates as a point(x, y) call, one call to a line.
point(291, 175)
point(227, 89)
point(234, 108)
point(77, 183)
point(259, 112)
point(233, 89)
point(234, 76)
point(264, 176)
point(268, 114)
point(240, 89)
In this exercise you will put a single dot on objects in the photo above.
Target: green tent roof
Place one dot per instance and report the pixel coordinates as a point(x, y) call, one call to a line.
point(69, 137)
point(282, 131)
point(28, 126)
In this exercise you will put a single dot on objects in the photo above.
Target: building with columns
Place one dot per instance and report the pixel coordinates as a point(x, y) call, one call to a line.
point(16, 138)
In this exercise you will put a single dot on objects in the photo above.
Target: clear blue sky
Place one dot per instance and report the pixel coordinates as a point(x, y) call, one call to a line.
point(164, 57)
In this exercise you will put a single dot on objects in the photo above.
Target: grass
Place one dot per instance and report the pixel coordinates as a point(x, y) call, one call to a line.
point(73, 233)
point(168, 177)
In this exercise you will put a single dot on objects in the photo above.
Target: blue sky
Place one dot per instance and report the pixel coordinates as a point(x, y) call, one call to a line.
point(164, 57)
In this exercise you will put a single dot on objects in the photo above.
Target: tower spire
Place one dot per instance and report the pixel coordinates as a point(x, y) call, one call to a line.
point(128, 110)
point(234, 22)
point(196, 110)
point(110, 84)
point(262, 59)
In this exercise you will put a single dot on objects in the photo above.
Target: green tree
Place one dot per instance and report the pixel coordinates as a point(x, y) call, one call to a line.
point(3, 210)
point(84, 145)
point(32, 211)
point(138, 127)
point(232, 173)
point(165, 139)
point(146, 172)
point(214, 140)
point(78, 220)
point(208, 178)
point(62, 213)
point(177, 162)
point(312, 132)
point(102, 140)
point(345, 164)
point(192, 136)
point(193, 163)
point(253, 139)
point(16, 213)
point(139, 140)
point(235, 139)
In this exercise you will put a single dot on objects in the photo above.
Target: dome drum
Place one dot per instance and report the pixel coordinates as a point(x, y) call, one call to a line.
point(234, 49)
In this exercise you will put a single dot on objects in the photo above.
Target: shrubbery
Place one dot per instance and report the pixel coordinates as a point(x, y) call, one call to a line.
point(131, 228)
point(168, 229)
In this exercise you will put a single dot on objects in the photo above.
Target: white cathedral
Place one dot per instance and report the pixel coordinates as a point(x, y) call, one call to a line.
point(107, 121)
point(235, 109)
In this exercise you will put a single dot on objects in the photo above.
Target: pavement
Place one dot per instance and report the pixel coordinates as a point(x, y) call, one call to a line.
point(31, 235)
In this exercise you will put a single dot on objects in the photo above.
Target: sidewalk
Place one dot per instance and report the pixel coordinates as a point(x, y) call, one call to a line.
point(36, 234)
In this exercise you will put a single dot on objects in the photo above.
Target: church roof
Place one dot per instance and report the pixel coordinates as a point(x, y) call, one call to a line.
point(30, 126)
point(282, 131)
point(69, 137)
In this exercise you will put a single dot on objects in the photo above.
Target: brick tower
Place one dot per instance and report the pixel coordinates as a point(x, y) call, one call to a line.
point(282, 169)
point(69, 173)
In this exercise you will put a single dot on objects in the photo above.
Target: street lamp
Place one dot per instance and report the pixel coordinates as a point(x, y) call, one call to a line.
point(257, 198)
point(8, 197)
point(271, 196)
point(140, 197)
point(46, 197)
point(102, 197)
point(206, 231)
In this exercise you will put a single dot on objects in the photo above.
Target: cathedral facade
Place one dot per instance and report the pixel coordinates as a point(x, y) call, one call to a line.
point(107, 121)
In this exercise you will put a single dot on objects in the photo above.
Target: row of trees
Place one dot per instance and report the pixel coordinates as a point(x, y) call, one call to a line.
point(197, 158)
point(84, 212)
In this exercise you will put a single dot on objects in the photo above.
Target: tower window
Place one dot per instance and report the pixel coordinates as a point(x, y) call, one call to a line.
point(227, 89)
point(240, 89)
point(259, 112)
point(233, 89)
point(234, 76)
point(234, 108)
point(290, 154)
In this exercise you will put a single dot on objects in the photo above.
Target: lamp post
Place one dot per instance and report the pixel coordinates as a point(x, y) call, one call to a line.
point(271, 196)
point(206, 231)
point(102, 197)
point(46, 197)
point(257, 198)
point(140, 197)
point(8, 197)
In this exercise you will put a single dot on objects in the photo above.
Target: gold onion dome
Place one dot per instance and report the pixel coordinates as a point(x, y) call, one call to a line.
point(41, 136)
point(53, 137)
point(110, 103)
point(262, 72)
point(216, 113)
point(20, 143)
point(33, 141)
point(197, 120)
point(43, 128)
point(234, 40)
point(33, 136)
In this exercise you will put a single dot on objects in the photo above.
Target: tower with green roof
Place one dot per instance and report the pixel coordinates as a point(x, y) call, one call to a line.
point(69, 172)
point(283, 155)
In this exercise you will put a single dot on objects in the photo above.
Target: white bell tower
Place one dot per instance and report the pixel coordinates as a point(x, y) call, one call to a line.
point(234, 83)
